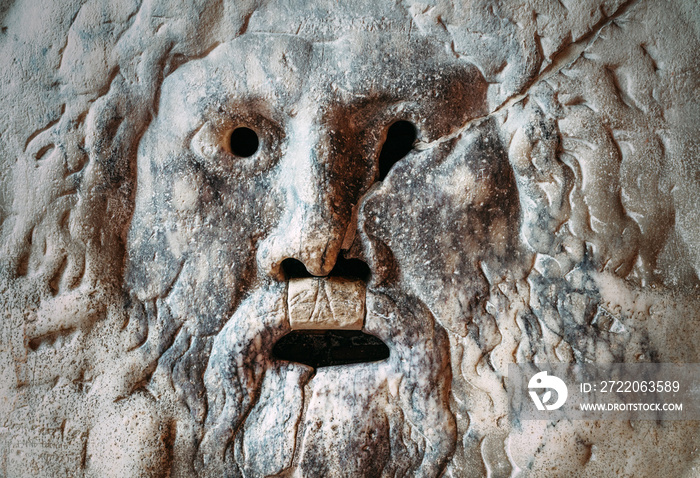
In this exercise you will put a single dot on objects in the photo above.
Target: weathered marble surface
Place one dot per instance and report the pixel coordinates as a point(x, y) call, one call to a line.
point(548, 212)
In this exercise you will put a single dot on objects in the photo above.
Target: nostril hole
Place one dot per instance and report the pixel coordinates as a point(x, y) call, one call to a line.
point(354, 268)
point(326, 348)
point(294, 269)
point(399, 141)
point(244, 142)
point(350, 268)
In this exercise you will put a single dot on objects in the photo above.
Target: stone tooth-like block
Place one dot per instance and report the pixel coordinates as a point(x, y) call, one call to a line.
point(326, 303)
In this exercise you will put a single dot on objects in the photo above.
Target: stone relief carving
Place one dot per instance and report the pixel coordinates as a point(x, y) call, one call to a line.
point(188, 190)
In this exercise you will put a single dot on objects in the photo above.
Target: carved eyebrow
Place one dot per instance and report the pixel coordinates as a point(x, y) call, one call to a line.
point(390, 88)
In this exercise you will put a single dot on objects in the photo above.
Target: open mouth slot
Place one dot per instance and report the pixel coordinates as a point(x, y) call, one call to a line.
point(325, 348)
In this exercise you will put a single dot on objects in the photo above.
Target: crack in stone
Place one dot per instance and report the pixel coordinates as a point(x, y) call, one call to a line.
point(560, 60)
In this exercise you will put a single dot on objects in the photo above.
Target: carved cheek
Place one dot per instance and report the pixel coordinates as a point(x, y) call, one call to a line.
point(185, 194)
point(465, 186)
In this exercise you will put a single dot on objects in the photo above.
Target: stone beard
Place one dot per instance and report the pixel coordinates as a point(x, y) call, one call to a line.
point(460, 186)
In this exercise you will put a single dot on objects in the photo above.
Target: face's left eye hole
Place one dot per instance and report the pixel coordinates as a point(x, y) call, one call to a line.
point(244, 142)
point(398, 143)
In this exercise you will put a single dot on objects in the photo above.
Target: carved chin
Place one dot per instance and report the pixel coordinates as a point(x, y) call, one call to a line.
point(267, 415)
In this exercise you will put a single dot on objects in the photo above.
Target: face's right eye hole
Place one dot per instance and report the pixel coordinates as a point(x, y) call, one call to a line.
point(399, 141)
point(244, 142)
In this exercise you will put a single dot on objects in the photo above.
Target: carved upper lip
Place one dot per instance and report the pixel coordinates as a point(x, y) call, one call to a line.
point(326, 303)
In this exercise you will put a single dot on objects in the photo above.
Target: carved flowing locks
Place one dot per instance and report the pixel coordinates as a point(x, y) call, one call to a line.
point(255, 239)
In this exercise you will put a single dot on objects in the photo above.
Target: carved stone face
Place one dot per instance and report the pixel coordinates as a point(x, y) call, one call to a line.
point(213, 225)
point(246, 238)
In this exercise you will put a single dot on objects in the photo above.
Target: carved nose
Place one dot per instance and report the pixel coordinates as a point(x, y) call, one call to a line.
point(307, 235)
point(317, 210)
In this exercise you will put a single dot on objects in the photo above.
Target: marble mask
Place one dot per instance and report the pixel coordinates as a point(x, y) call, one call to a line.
point(306, 239)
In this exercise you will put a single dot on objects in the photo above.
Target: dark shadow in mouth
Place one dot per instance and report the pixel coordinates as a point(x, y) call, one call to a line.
point(350, 268)
point(325, 348)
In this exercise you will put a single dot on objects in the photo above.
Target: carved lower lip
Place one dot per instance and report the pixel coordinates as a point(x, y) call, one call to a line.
point(326, 348)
